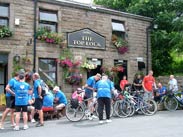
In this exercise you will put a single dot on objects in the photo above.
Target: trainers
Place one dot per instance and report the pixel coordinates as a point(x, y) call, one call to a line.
point(1, 127)
point(108, 120)
point(101, 122)
point(26, 127)
point(16, 128)
point(13, 125)
point(33, 121)
point(94, 117)
point(90, 118)
point(39, 125)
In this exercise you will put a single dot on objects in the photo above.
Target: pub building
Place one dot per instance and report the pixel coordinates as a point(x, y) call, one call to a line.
point(97, 37)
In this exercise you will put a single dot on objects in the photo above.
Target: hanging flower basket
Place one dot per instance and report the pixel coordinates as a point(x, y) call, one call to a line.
point(5, 32)
point(120, 44)
point(88, 66)
point(117, 69)
point(74, 79)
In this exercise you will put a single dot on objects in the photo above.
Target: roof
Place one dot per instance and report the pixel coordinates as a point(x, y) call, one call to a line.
point(96, 8)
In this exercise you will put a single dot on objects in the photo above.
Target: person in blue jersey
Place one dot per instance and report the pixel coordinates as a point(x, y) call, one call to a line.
point(10, 101)
point(22, 91)
point(31, 107)
point(48, 102)
point(89, 90)
point(38, 98)
point(160, 92)
point(60, 99)
point(104, 88)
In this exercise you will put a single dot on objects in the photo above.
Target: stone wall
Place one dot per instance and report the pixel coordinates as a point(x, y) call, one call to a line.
point(72, 18)
point(164, 80)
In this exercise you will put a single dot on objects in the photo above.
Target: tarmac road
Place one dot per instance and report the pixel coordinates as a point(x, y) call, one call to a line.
point(162, 124)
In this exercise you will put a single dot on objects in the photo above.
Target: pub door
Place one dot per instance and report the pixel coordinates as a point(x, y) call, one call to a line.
point(93, 72)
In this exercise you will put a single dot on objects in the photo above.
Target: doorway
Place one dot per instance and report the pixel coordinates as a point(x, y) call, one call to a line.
point(120, 75)
point(3, 76)
point(97, 62)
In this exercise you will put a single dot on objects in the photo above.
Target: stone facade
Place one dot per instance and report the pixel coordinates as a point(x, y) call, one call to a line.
point(164, 80)
point(72, 17)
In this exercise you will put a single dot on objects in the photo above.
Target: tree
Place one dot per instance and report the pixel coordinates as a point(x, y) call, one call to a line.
point(168, 38)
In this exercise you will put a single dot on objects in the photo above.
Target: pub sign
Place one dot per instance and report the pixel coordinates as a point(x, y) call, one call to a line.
point(86, 38)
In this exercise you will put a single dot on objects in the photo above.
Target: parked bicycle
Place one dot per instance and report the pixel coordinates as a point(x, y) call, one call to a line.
point(77, 109)
point(172, 100)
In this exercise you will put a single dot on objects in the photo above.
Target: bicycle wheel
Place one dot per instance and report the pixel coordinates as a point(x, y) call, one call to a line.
point(148, 107)
point(132, 109)
point(75, 114)
point(122, 108)
point(170, 103)
point(104, 112)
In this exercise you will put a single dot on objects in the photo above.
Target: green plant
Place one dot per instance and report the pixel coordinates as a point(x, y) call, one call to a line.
point(45, 34)
point(5, 32)
point(120, 44)
point(16, 67)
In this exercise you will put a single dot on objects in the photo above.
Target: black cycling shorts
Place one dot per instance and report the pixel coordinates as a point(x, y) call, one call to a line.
point(10, 102)
point(38, 103)
point(21, 108)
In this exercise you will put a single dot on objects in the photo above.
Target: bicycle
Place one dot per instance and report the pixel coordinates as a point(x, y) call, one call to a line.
point(172, 100)
point(122, 107)
point(147, 107)
point(76, 113)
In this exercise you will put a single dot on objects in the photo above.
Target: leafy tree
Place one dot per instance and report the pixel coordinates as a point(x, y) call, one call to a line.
point(168, 38)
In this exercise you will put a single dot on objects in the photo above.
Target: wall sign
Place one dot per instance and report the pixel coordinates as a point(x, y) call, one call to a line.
point(86, 38)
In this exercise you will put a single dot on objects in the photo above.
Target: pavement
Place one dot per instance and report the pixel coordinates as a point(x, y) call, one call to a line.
point(162, 124)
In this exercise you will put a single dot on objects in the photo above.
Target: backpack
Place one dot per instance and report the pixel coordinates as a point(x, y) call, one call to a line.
point(74, 103)
point(44, 88)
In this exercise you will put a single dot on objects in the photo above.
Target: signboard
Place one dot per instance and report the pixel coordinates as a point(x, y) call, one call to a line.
point(86, 38)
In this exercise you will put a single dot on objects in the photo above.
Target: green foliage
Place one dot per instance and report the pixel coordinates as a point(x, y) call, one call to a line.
point(16, 67)
point(168, 38)
point(5, 32)
point(44, 34)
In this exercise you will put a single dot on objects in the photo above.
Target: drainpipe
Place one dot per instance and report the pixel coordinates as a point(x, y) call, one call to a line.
point(147, 48)
point(34, 48)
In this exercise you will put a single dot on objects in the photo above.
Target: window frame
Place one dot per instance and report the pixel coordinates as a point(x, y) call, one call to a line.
point(5, 17)
point(49, 71)
point(119, 33)
point(46, 22)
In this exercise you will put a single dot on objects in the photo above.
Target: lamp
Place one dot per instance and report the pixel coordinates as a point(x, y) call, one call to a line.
point(16, 58)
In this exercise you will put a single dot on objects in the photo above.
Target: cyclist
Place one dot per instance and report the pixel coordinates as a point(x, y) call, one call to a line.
point(104, 89)
point(137, 82)
point(123, 82)
point(89, 90)
point(148, 83)
point(173, 84)
point(160, 92)
point(10, 100)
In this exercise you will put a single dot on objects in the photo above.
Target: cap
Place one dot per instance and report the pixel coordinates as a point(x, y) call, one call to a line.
point(21, 76)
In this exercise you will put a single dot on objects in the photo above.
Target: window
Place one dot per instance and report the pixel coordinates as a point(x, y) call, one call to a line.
point(48, 69)
point(118, 28)
point(48, 19)
point(4, 14)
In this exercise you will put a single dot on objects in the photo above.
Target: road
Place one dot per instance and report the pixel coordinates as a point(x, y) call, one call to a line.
point(162, 124)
